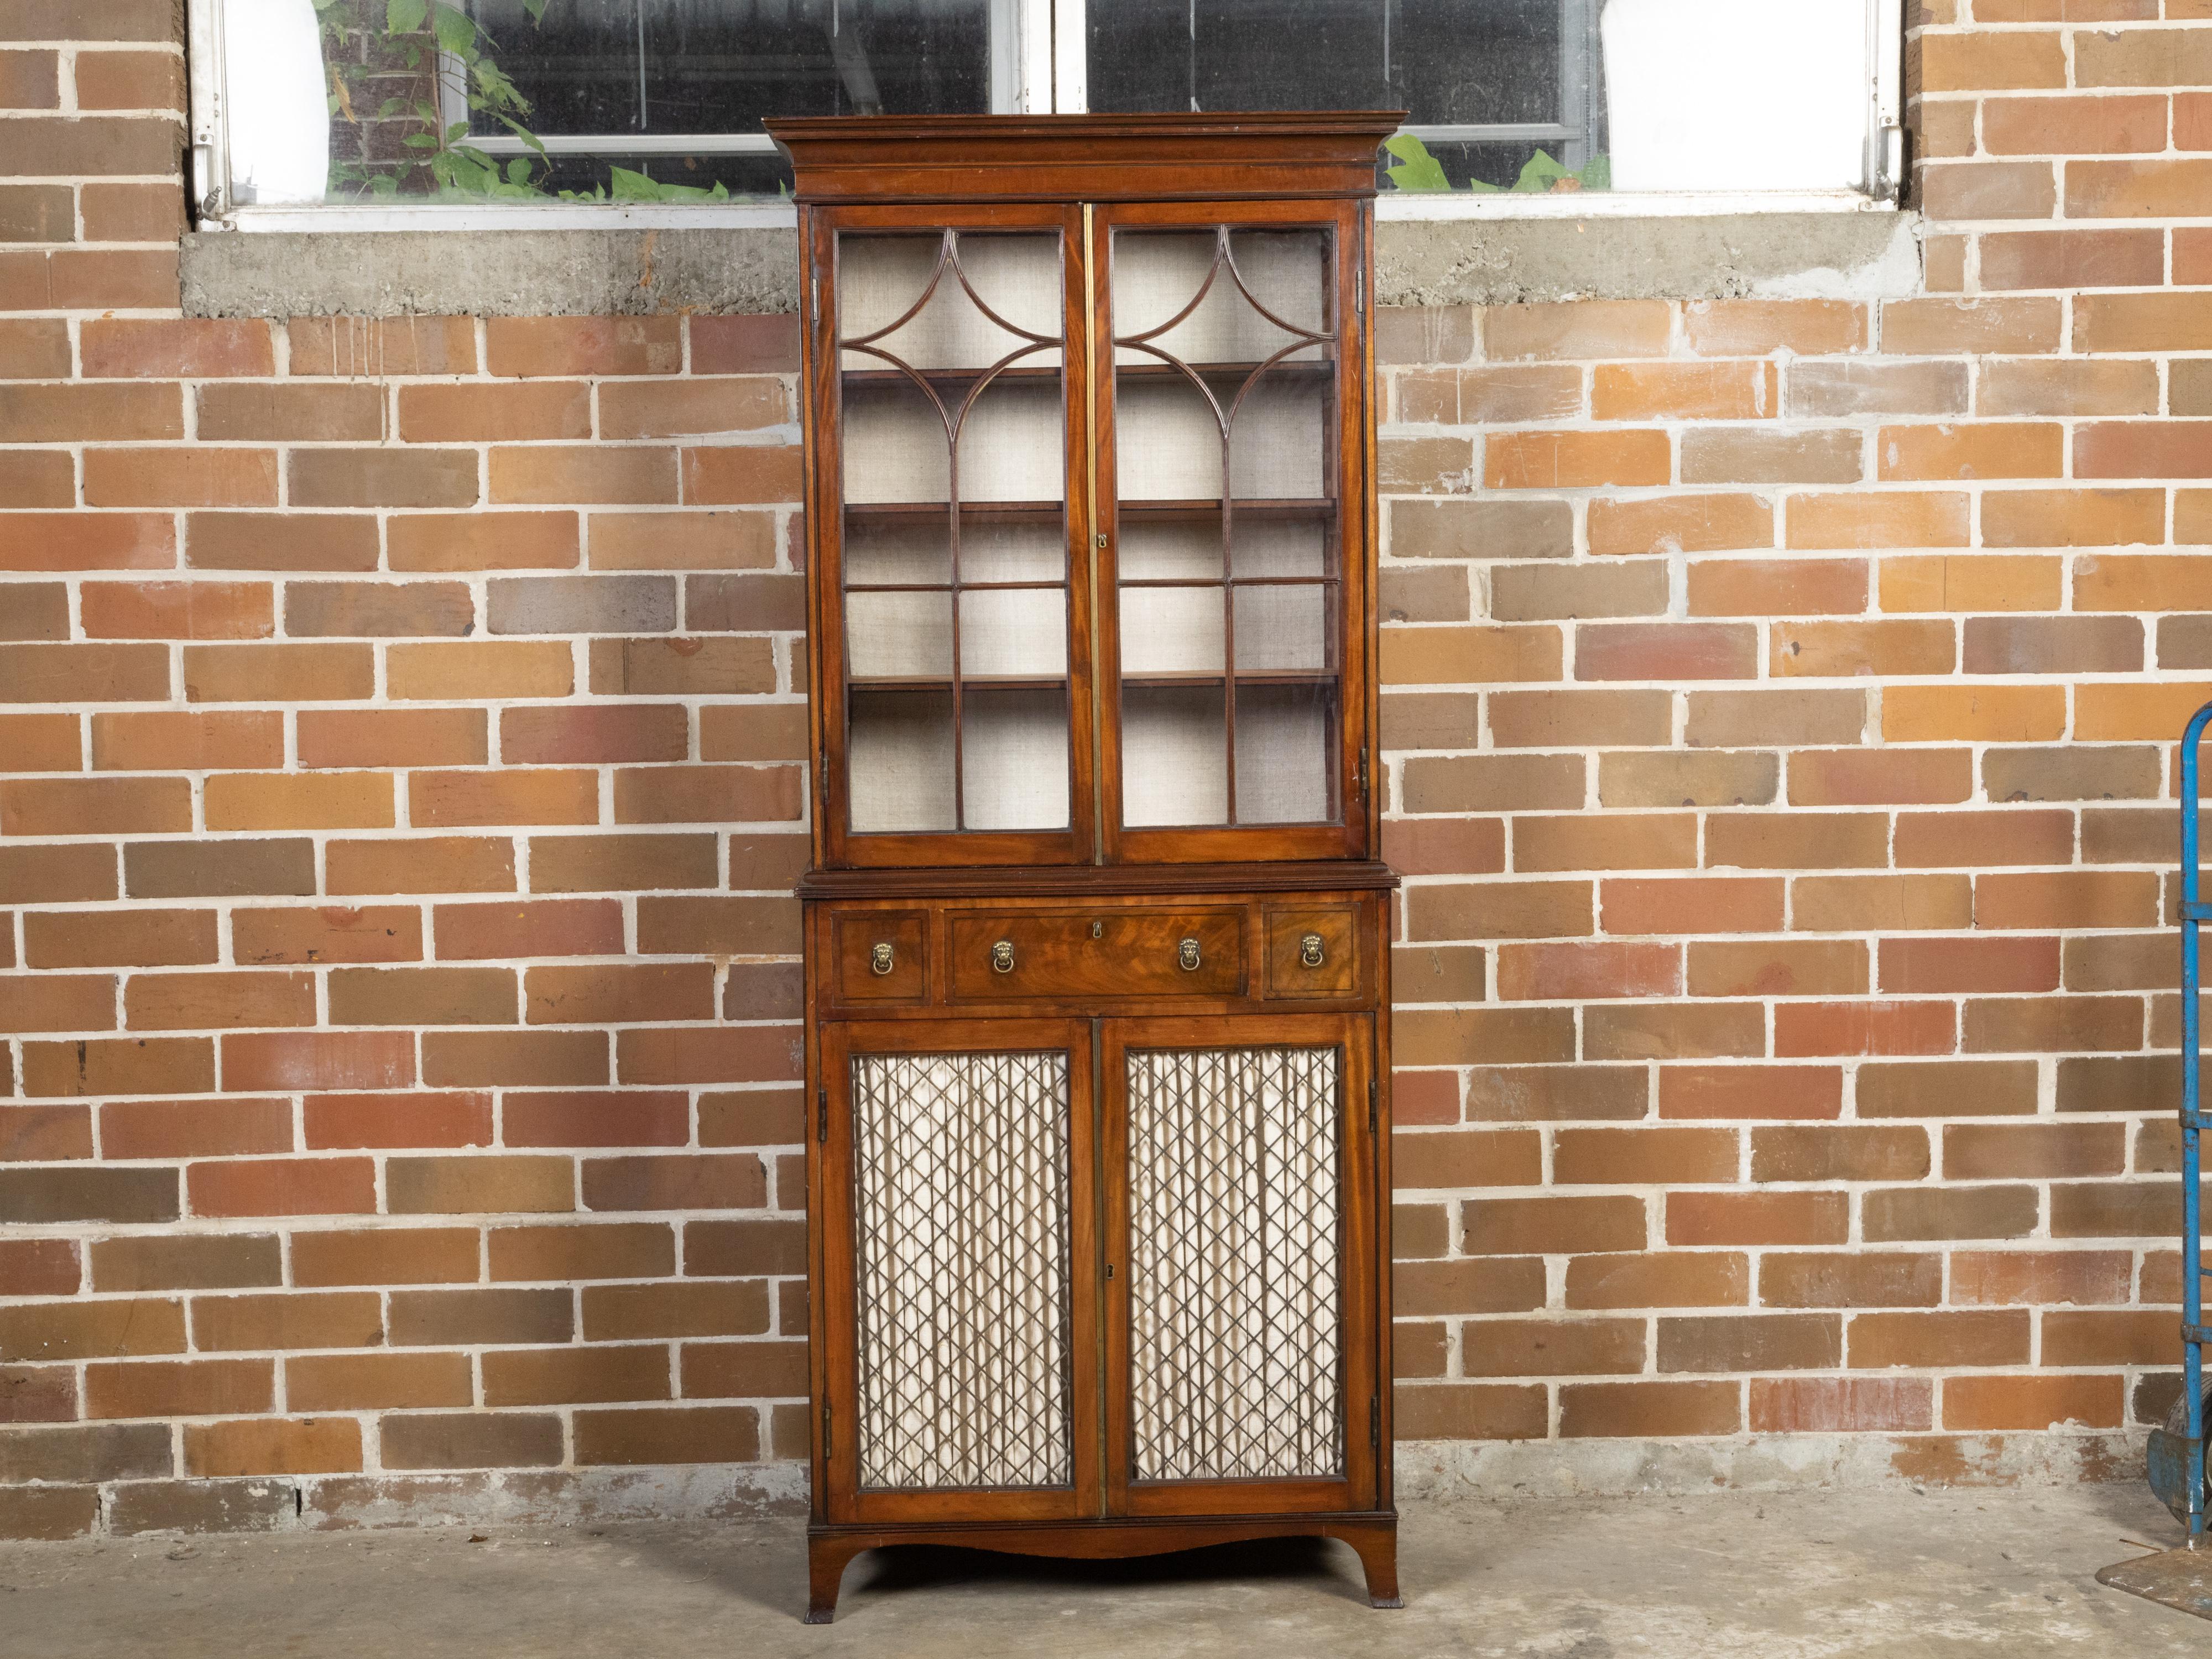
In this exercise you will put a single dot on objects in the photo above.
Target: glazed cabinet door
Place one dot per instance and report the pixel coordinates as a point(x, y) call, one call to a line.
point(959, 1321)
point(946, 452)
point(1232, 469)
point(1240, 1303)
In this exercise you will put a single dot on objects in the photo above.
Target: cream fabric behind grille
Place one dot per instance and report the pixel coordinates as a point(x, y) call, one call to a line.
point(1235, 1353)
point(961, 1267)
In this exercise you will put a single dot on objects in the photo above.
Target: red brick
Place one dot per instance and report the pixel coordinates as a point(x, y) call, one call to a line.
point(1810, 1405)
point(288, 1061)
point(1744, 1219)
point(272, 1187)
point(348, 1122)
point(177, 611)
point(177, 348)
point(2032, 1403)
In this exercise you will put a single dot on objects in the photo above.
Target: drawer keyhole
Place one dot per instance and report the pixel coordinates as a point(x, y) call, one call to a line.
point(1187, 955)
point(880, 960)
point(1002, 956)
point(1310, 950)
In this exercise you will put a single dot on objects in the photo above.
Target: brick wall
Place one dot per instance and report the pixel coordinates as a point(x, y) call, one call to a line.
point(400, 785)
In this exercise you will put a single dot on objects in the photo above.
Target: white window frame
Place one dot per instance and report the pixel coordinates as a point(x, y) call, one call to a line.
point(1039, 65)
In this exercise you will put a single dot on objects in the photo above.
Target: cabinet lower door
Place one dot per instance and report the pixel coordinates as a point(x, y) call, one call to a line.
point(1240, 1298)
point(960, 1309)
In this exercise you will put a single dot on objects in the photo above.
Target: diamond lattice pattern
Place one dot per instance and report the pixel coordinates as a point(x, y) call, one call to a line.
point(961, 1169)
point(1234, 1282)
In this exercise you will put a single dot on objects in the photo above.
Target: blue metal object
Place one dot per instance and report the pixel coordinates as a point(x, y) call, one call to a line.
point(2179, 1460)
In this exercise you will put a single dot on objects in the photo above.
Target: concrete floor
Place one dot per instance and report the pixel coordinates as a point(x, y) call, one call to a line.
point(1725, 1576)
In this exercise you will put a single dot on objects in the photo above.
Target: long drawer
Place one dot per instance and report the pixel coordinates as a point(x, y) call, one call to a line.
point(997, 957)
point(1213, 951)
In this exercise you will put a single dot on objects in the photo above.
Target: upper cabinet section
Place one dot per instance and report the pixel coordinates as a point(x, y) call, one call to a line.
point(1089, 514)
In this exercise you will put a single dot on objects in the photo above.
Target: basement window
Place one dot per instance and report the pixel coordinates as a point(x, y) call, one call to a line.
point(404, 113)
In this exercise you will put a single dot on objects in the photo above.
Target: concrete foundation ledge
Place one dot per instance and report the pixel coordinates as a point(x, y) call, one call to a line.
point(1448, 1470)
point(335, 1503)
point(1433, 1471)
point(612, 273)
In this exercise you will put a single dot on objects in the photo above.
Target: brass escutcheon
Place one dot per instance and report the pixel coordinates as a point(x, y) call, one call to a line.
point(1187, 954)
point(1002, 956)
point(880, 959)
point(1309, 950)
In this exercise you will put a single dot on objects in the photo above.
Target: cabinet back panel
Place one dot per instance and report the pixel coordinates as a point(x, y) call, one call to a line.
point(1013, 759)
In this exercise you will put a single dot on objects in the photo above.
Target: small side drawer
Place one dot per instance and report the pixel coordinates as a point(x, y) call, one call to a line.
point(1298, 934)
point(1093, 954)
point(881, 955)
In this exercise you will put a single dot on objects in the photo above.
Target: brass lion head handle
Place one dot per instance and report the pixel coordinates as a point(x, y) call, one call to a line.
point(1310, 950)
point(1002, 956)
point(880, 960)
point(1187, 955)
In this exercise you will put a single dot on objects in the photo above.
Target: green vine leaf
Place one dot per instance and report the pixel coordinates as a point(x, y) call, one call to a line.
point(455, 29)
point(405, 17)
point(1417, 169)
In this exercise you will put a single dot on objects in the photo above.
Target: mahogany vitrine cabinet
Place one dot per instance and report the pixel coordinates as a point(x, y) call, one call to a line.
point(1097, 939)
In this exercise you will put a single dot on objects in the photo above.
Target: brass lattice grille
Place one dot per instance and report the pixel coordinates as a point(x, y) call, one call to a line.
point(1236, 1356)
point(961, 1248)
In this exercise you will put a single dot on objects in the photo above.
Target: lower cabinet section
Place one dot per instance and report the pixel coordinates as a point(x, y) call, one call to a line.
point(1097, 1270)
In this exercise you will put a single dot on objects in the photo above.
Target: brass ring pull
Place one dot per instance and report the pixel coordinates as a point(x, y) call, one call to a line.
point(880, 959)
point(1187, 955)
point(1310, 950)
point(1002, 956)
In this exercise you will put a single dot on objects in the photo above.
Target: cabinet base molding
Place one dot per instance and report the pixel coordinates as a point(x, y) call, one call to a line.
point(1372, 1533)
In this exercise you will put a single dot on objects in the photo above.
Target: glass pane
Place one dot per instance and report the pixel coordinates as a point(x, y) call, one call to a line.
point(1167, 440)
point(1171, 631)
point(898, 548)
point(894, 442)
point(1186, 295)
point(900, 755)
point(648, 79)
point(1174, 743)
point(899, 635)
point(1281, 438)
point(1011, 447)
point(1017, 631)
point(954, 394)
point(1269, 545)
point(1286, 753)
point(964, 301)
point(1014, 757)
point(1287, 630)
point(1153, 550)
point(996, 549)
point(1217, 329)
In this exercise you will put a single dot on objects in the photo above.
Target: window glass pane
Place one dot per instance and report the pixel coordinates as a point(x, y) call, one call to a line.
point(1525, 95)
point(623, 91)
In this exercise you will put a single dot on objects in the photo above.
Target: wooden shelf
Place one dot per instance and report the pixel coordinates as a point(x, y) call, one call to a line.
point(1002, 512)
point(943, 682)
point(1169, 512)
point(1244, 677)
point(1305, 368)
point(1161, 511)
